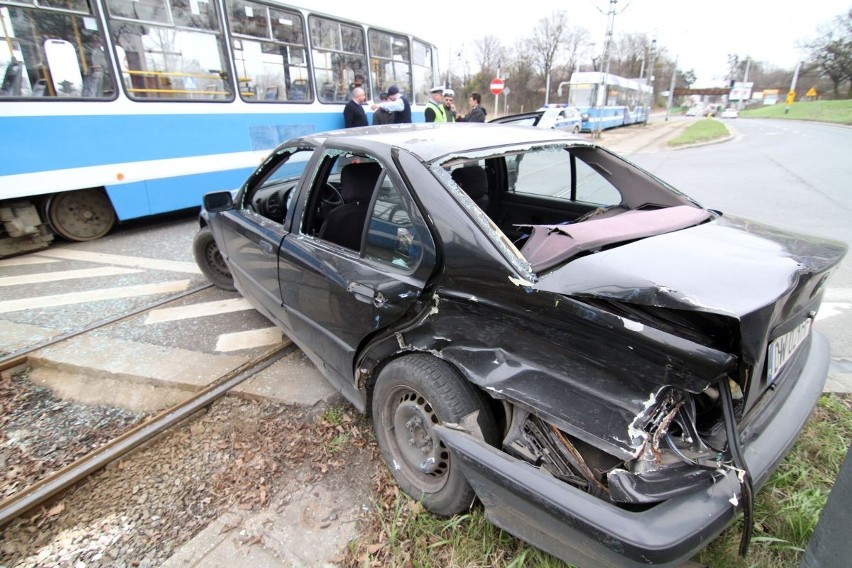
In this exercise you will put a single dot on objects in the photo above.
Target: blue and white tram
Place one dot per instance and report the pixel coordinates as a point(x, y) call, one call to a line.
point(607, 101)
point(117, 109)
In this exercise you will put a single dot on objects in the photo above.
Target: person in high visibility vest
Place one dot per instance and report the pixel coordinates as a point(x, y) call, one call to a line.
point(435, 111)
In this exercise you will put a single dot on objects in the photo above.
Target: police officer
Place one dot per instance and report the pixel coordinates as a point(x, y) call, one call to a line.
point(435, 110)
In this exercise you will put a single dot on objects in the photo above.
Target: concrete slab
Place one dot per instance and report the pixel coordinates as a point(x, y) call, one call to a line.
point(17, 336)
point(839, 375)
point(130, 361)
point(292, 380)
point(308, 525)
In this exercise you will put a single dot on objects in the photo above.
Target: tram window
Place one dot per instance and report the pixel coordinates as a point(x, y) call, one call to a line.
point(421, 66)
point(49, 54)
point(339, 58)
point(389, 61)
point(194, 14)
point(273, 67)
point(141, 10)
point(163, 62)
point(75, 5)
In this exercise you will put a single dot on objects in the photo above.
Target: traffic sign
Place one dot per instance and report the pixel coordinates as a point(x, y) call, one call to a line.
point(497, 86)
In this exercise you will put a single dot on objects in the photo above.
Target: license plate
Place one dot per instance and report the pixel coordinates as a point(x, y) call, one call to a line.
point(782, 348)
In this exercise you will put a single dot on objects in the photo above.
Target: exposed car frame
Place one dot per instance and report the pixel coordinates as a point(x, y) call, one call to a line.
point(613, 389)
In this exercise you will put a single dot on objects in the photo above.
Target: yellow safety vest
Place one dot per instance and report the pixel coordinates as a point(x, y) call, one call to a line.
point(440, 111)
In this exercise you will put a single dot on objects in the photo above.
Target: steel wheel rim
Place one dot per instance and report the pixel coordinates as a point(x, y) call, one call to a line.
point(417, 451)
point(80, 215)
point(215, 260)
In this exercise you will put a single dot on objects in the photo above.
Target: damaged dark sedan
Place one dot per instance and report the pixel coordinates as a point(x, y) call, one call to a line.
point(530, 319)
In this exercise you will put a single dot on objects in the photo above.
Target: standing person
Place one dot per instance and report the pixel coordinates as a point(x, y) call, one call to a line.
point(353, 112)
point(435, 111)
point(476, 112)
point(397, 104)
point(382, 115)
point(450, 105)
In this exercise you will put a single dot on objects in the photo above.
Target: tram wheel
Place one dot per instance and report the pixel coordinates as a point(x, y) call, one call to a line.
point(83, 215)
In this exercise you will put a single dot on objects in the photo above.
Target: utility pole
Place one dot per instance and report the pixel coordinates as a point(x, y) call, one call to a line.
point(791, 95)
point(671, 90)
point(602, 90)
point(745, 80)
point(650, 80)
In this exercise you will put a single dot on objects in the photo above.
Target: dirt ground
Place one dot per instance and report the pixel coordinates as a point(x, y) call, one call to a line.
point(238, 455)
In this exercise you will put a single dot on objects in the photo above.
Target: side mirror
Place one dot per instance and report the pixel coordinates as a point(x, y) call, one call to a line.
point(218, 201)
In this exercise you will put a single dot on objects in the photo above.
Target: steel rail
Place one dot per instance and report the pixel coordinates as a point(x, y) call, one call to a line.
point(20, 357)
point(36, 494)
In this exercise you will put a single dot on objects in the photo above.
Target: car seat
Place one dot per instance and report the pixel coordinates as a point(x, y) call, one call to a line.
point(474, 181)
point(345, 223)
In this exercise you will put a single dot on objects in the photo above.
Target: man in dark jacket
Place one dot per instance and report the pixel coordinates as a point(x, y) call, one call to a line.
point(477, 111)
point(397, 104)
point(353, 112)
point(380, 115)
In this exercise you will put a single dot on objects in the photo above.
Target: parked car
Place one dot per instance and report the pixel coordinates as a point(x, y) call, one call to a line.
point(529, 318)
point(694, 110)
point(730, 112)
point(558, 117)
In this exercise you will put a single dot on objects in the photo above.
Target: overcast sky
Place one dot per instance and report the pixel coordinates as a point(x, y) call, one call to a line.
point(699, 34)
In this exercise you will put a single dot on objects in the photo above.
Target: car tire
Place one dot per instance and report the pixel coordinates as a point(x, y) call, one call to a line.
point(576, 130)
point(412, 395)
point(210, 261)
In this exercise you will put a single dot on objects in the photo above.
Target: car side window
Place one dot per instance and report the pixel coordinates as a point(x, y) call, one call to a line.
point(392, 237)
point(271, 193)
point(593, 185)
point(548, 173)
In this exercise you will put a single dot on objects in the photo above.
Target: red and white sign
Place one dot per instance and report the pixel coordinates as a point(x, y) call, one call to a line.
point(497, 86)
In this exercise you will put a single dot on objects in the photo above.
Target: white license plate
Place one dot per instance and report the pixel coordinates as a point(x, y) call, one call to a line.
point(783, 348)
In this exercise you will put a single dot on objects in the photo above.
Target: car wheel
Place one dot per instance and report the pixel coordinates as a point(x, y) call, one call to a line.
point(413, 394)
point(210, 261)
point(576, 129)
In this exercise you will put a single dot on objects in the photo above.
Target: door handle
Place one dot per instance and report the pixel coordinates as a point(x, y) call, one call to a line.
point(363, 291)
point(266, 248)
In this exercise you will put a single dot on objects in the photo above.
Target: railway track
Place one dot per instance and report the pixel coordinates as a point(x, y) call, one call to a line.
point(46, 488)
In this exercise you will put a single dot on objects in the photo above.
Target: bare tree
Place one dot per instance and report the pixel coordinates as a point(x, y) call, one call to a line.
point(831, 50)
point(549, 38)
point(489, 53)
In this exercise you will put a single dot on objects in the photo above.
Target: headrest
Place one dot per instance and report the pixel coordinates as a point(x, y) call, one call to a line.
point(357, 181)
point(472, 180)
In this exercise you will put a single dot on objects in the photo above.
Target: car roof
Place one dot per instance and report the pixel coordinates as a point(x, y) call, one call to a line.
point(430, 141)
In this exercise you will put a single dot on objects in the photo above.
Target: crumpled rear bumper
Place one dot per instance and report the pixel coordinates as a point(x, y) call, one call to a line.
point(588, 531)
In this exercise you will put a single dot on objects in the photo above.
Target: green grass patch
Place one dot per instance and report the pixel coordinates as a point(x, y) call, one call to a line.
point(839, 112)
point(704, 130)
point(788, 506)
point(400, 532)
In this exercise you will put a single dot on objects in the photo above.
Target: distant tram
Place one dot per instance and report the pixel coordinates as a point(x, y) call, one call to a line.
point(117, 109)
point(607, 101)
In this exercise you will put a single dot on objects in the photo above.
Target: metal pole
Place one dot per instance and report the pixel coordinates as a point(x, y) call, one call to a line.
point(671, 90)
point(792, 87)
point(650, 80)
point(745, 80)
point(605, 66)
point(497, 97)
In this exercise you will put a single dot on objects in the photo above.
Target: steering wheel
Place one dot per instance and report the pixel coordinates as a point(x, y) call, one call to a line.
point(330, 197)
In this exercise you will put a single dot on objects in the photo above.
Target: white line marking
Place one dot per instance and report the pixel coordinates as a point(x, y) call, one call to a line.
point(838, 295)
point(828, 309)
point(198, 310)
point(65, 275)
point(135, 261)
point(249, 339)
point(25, 261)
point(92, 296)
